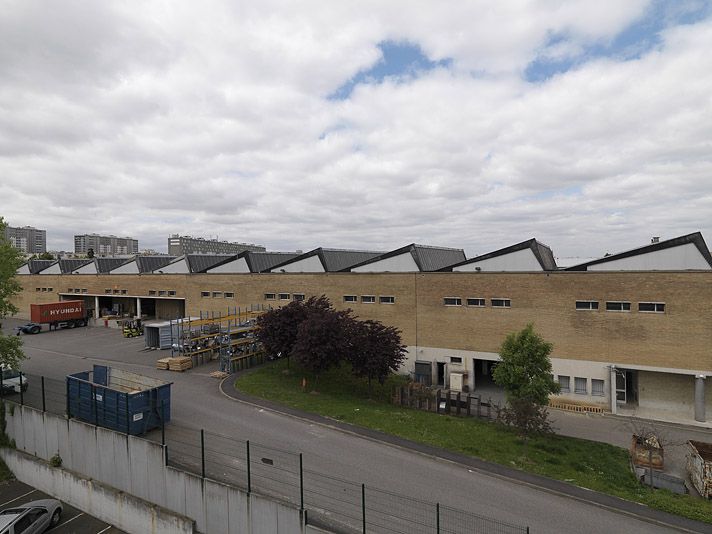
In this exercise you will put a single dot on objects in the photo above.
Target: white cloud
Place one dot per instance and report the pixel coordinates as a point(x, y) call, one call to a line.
point(152, 118)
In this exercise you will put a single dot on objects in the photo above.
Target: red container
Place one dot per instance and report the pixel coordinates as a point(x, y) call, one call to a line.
point(66, 310)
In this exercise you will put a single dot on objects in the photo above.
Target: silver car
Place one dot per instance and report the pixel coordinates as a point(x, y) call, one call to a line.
point(31, 518)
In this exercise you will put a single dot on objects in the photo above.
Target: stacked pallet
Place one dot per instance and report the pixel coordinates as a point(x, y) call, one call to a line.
point(179, 364)
point(219, 374)
point(163, 363)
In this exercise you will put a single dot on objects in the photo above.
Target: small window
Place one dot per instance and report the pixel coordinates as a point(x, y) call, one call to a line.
point(162, 292)
point(452, 301)
point(116, 292)
point(586, 304)
point(152, 293)
point(501, 303)
point(124, 291)
point(455, 359)
point(651, 307)
point(477, 303)
point(217, 294)
point(229, 295)
point(50, 289)
point(269, 296)
point(39, 289)
point(387, 300)
point(565, 383)
point(204, 294)
point(284, 296)
point(350, 298)
point(77, 290)
point(597, 387)
point(107, 291)
point(580, 385)
point(84, 290)
point(171, 293)
point(368, 299)
point(617, 306)
point(298, 297)
point(70, 290)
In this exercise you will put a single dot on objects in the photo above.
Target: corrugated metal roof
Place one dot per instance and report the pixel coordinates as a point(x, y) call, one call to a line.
point(36, 266)
point(263, 261)
point(337, 260)
point(198, 263)
point(147, 264)
point(434, 258)
point(68, 266)
point(104, 265)
point(542, 253)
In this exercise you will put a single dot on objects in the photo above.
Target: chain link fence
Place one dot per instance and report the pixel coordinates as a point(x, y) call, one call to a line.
point(329, 502)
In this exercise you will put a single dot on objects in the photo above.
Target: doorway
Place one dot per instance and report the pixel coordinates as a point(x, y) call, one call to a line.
point(627, 387)
point(440, 375)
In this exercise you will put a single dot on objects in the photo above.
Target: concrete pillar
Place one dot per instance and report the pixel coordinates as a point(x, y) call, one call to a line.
point(614, 403)
point(700, 398)
point(138, 307)
point(96, 307)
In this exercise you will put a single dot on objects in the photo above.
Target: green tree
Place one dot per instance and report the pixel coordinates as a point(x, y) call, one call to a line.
point(525, 374)
point(46, 256)
point(90, 253)
point(10, 260)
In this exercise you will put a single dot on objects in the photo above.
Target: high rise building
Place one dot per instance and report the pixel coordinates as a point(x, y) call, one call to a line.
point(179, 245)
point(105, 245)
point(28, 239)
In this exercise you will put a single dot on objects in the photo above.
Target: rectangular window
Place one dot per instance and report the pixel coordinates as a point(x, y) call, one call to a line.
point(501, 303)
point(69, 290)
point(217, 294)
point(617, 306)
point(39, 289)
point(85, 290)
point(171, 293)
point(298, 297)
point(565, 384)
point(597, 387)
point(452, 301)
point(269, 296)
point(284, 296)
point(350, 298)
point(77, 290)
point(161, 292)
point(455, 359)
point(116, 292)
point(229, 295)
point(152, 293)
point(50, 289)
point(387, 300)
point(204, 294)
point(107, 291)
point(651, 307)
point(477, 303)
point(124, 291)
point(580, 385)
point(368, 299)
point(586, 304)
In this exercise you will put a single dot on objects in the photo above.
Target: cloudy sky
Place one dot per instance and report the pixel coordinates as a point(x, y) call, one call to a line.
point(476, 125)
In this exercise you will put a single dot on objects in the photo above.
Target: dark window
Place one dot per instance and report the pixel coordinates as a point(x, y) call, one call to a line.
point(298, 296)
point(478, 303)
point(39, 289)
point(171, 293)
point(162, 292)
point(654, 307)
point(452, 301)
point(368, 299)
point(597, 387)
point(455, 359)
point(284, 296)
point(229, 295)
point(501, 303)
point(269, 296)
point(350, 298)
point(124, 291)
point(617, 306)
point(565, 383)
point(586, 305)
point(217, 294)
point(387, 300)
point(203, 294)
point(107, 291)
point(581, 385)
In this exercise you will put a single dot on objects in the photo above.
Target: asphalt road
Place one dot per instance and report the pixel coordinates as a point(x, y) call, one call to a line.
point(198, 403)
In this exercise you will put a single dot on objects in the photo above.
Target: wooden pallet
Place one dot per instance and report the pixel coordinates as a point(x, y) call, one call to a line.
point(580, 408)
point(163, 363)
point(179, 364)
point(219, 374)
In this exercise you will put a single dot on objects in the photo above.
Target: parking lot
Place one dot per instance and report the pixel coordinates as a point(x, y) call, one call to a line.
point(14, 493)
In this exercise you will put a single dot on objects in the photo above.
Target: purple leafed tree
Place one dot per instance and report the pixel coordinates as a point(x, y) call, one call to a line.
point(377, 350)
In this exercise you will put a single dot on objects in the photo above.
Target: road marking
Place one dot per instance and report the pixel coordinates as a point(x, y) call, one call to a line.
point(107, 528)
point(20, 497)
point(70, 520)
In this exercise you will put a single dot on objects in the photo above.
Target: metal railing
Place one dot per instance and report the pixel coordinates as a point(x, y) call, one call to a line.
point(328, 501)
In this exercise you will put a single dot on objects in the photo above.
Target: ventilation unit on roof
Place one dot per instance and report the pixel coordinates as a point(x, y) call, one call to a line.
point(655, 239)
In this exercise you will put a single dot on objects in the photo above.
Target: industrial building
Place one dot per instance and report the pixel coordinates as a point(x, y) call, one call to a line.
point(105, 245)
point(182, 245)
point(631, 331)
point(28, 239)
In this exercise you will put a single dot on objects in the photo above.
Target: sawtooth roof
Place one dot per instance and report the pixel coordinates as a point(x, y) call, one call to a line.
point(334, 259)
point(427, 258)
point(542, 253)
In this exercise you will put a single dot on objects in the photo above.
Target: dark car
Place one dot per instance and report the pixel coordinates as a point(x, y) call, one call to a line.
point(32, 518)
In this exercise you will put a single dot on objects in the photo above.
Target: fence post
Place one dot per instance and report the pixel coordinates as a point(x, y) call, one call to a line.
point(69, 413)
point(249, 479)
point(457, 410)
point(363, 507)
point(448, 402)
point(202, 451)
point(96, 410)
point(165, 450)
point(469, 405)
point(163, 422)
point(44, 404)
point(437, 401)
point(437, 517)
point(22, 396)
point(128, 419)
point(301, 482)
point(479, 405)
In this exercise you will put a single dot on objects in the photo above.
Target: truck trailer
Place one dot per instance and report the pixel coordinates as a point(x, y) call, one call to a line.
point(64, 314)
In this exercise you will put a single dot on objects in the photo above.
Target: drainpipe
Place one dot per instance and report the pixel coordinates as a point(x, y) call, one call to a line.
point(614, 403)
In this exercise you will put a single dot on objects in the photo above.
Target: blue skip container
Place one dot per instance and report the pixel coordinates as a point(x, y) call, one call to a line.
point(120, 400)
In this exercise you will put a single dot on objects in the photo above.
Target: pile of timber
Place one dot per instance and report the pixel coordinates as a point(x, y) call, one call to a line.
point(219, 374)
point(174, 364)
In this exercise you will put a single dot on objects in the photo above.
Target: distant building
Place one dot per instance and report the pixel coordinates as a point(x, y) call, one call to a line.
point(28, 239)
point(180, 245)
point(105, 245)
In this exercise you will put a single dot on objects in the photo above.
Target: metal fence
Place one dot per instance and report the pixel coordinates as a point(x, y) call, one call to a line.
point(445, 401)
point(329, 502)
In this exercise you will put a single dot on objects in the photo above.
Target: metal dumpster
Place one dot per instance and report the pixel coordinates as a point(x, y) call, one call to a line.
point(699, 466)
point(118, 399)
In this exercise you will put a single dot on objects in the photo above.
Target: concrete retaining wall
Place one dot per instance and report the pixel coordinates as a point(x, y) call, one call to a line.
point(108, 504)
point(136, 467)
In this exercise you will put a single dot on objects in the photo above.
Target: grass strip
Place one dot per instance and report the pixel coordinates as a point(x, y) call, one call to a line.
point(589, 464)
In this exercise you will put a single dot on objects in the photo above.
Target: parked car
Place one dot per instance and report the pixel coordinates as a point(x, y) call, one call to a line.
point(12, 381)
point(32, 518)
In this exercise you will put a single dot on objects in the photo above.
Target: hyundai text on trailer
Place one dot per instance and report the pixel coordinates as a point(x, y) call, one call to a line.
point(64, 314)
